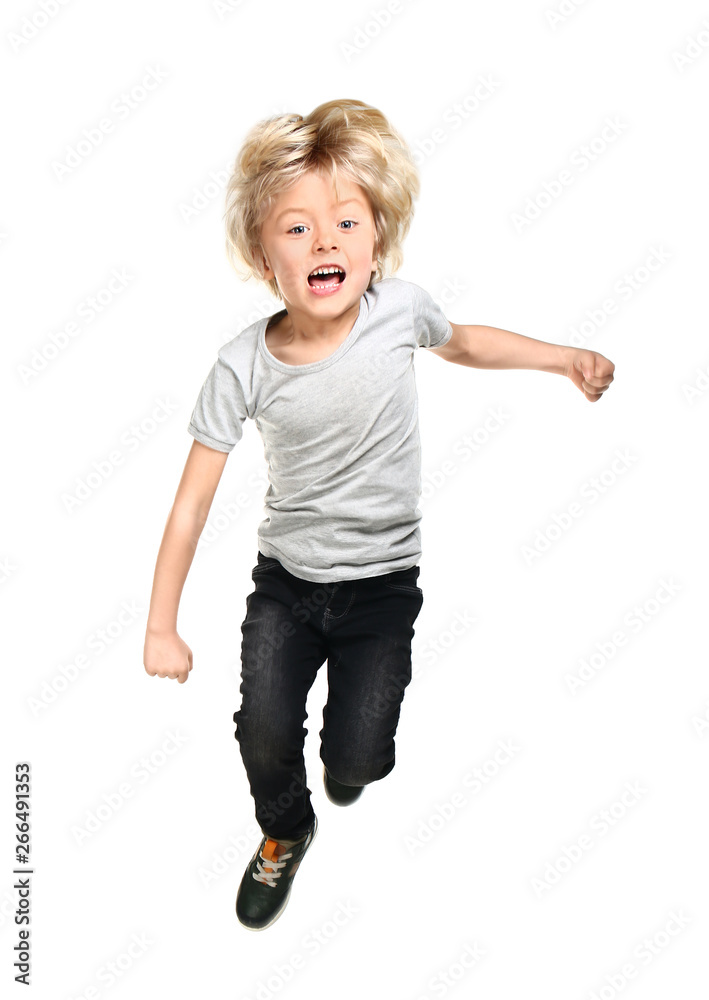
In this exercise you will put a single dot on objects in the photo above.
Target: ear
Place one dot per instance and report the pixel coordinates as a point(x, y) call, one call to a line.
point(261, 262)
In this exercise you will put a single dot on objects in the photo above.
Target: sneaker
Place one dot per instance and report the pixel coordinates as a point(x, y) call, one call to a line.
point(341, 795)
point(268, 879)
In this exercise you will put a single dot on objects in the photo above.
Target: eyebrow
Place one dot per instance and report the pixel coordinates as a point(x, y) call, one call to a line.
point(348, 201)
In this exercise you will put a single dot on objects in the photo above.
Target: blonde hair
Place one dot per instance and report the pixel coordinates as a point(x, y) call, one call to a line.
point(345, 137)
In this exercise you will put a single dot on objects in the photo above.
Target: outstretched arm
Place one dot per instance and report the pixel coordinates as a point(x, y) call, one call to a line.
point(489, 347)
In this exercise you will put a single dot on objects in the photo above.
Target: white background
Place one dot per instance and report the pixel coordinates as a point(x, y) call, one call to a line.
point(494, 872)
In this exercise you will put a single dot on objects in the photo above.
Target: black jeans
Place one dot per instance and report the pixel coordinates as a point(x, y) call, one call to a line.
point(364, 629)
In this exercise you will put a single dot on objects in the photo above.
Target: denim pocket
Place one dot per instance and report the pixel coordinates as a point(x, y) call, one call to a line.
point(264, 564)
point(404, 580)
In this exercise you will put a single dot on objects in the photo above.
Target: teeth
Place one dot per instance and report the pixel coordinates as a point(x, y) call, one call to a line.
point(327, 270)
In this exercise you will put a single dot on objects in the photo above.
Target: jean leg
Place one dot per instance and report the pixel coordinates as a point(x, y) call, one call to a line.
point(369, 668)
point(280, 658)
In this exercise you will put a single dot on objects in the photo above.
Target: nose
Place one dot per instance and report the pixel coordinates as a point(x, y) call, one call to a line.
point(325, 240)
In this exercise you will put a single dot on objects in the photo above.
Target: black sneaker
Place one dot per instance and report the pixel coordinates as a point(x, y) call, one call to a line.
point(341, 795)
point(268, 879)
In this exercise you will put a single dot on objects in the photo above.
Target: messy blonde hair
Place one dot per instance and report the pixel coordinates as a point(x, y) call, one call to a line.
point(345, 137)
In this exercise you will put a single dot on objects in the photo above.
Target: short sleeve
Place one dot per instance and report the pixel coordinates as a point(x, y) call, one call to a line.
point(218, 417)
point(431, 328)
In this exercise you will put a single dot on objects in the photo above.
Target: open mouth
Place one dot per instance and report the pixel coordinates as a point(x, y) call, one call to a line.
point(326, 276)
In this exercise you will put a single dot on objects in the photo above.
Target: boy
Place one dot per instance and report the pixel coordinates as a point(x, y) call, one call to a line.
point(318, 207)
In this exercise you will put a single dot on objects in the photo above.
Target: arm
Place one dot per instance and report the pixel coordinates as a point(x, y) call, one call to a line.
point(165, 653)
point(489, 347)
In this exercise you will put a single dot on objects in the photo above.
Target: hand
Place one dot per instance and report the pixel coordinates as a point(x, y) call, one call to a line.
point(590, 371)
point(167, 655)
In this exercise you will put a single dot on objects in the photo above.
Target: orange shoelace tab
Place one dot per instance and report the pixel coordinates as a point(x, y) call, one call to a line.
point(272, 850)
point(268, 849)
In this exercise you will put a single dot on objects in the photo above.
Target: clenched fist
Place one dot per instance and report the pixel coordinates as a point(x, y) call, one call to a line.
point(167, 655)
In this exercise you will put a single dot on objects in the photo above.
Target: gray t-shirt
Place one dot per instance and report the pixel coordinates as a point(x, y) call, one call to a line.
point(340, 436)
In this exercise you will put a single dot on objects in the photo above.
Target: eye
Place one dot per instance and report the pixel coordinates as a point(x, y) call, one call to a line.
point(296, 227)
point(351, 221)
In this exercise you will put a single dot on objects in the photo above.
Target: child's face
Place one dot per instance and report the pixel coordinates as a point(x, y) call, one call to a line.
point(306, 228)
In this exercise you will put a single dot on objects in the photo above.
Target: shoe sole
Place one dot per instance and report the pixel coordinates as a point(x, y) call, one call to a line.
point(286, 898)
point(338, 802)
